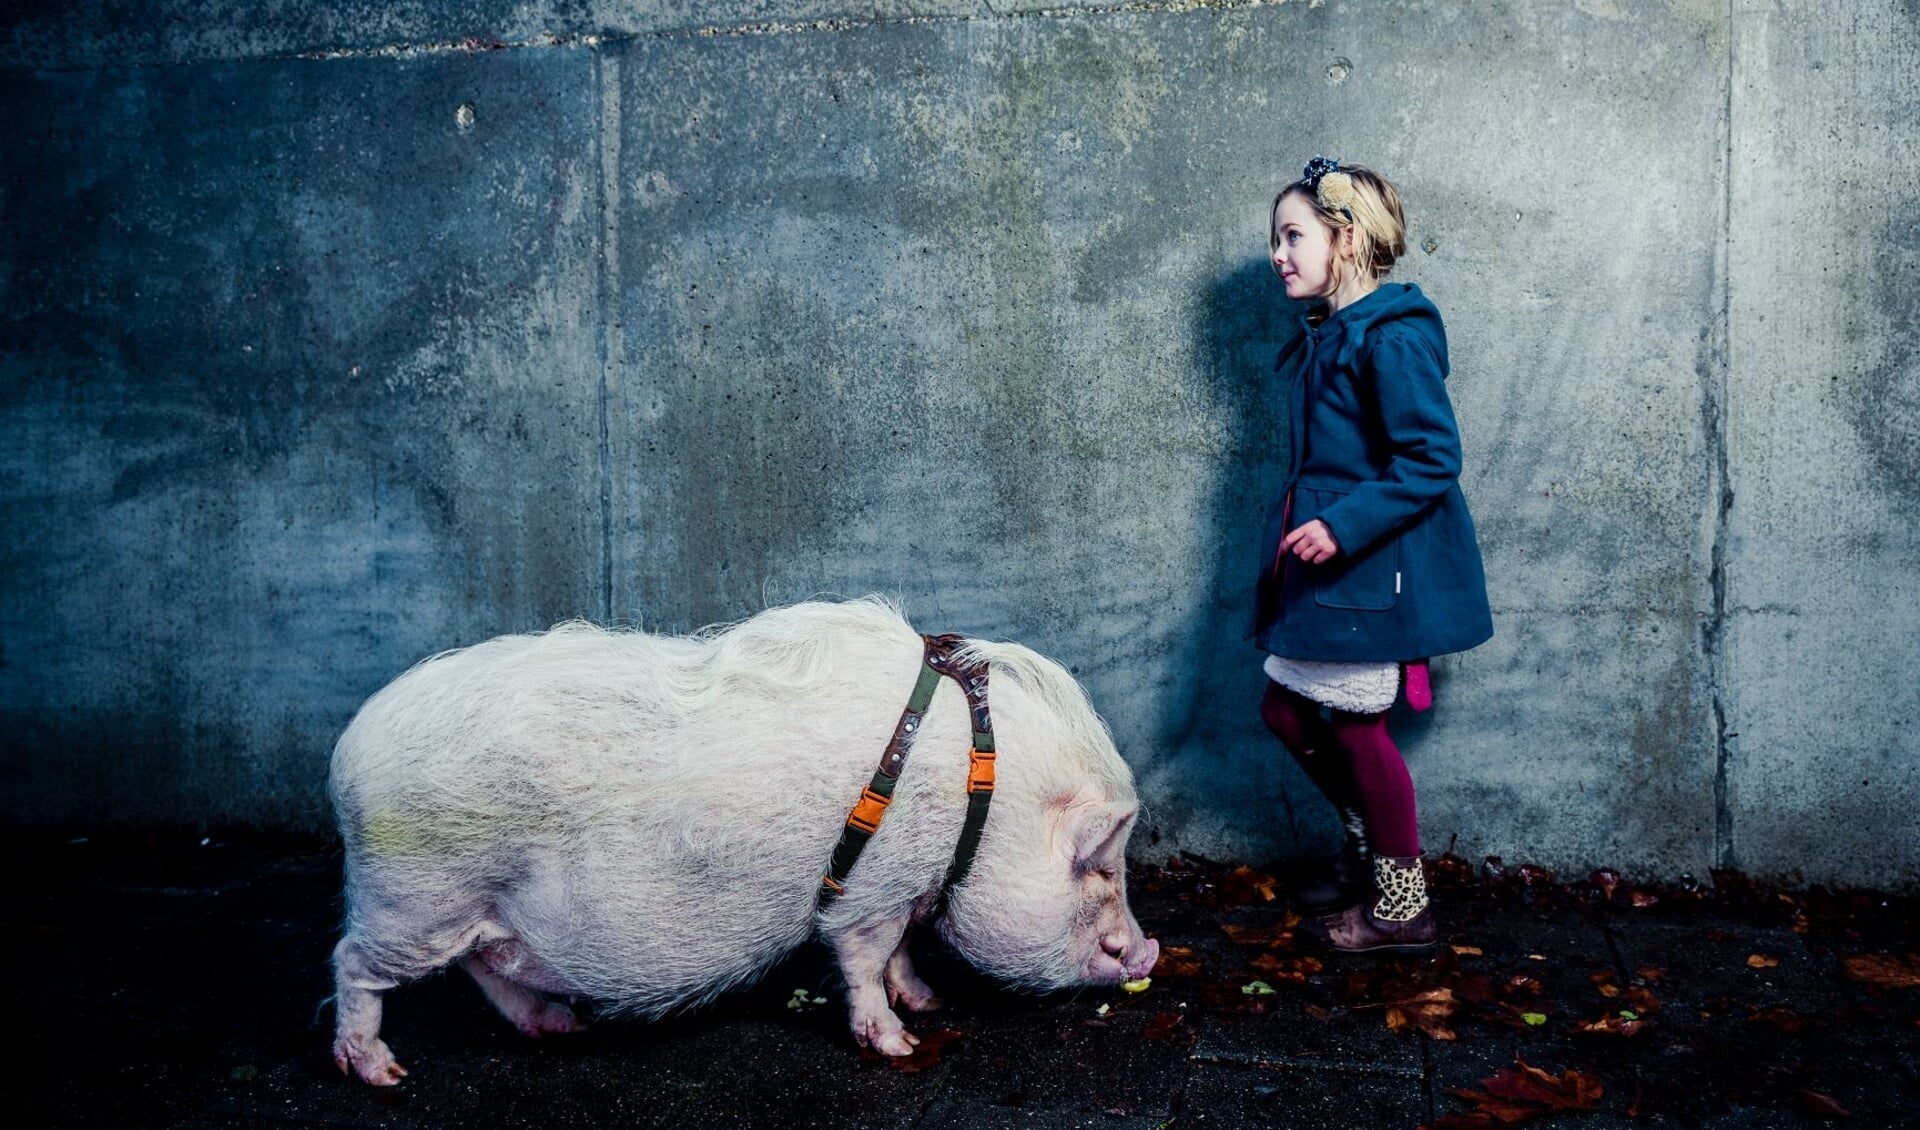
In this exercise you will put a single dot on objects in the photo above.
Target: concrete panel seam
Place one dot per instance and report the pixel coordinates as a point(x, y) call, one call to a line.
point(1715, 385)
point(612, 339)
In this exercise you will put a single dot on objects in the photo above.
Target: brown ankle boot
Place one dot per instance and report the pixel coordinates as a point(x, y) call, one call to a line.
point(1338, 883)
point(1399, 919)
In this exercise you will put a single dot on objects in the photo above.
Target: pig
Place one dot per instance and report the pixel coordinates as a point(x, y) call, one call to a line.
point(642, 821)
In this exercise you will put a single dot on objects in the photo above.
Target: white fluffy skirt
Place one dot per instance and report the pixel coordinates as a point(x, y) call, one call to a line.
point(1358, 688)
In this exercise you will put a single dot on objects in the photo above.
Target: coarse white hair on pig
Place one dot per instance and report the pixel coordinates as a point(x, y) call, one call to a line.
point(643, 821)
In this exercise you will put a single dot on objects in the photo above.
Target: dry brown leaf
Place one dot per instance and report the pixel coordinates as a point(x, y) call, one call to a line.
point(1641, 1000)
point(1612, 1024)
point(1271, 935)
point(1816, 1105)
point(1177, 962)
point(1467, 951)
point(1883, 971)
point(1779, 1018)
point(925, 1054)
point(1171, 1026)
point(1290, 970)
point(1761, 961)
point(1523, 1094)
point(1426, 1012)
point(1522, 983)
point(1243, 885)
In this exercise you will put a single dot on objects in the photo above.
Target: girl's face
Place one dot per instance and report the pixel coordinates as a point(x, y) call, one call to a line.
point(1303, 249)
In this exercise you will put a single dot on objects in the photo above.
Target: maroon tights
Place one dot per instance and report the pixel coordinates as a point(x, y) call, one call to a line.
point(1353, 762)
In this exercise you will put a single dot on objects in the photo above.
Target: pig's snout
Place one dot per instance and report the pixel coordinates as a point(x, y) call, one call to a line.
point(1144, 957)
point(1125, 957)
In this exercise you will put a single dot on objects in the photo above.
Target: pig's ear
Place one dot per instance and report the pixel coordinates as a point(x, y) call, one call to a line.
point(1098, 829)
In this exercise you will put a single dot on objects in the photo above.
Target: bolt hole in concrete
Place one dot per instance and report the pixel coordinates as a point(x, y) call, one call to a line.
point(1339, 69)
point(463, 117)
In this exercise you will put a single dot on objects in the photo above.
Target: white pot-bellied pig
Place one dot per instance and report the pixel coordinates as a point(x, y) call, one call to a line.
point(643, 821)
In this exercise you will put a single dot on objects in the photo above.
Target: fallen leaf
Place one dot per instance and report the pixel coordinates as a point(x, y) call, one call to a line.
point(1534, 1019)
point(1468, 951)
point(1523, 983)
point(1816, 1105)
point(925, 1054)
point(1426, 1012)
point(1883, 971)
point(1243, 885)
point(1761, 961)
point(1623, 1023)
point(1642, 899)
point(1271, 935)
point(1780, 1018)
point(1257, 989)
point(1292, 971)
point(1475, 987)
point(1650, 973)
point(1523, 1094)
point(1177, 961)
point(1165, 1026)
point(1642, 1000)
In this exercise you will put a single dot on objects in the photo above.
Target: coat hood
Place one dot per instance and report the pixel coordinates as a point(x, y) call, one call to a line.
point(1400, 304)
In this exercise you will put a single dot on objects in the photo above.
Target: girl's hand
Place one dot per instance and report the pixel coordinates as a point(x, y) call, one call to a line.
point(1312, 543)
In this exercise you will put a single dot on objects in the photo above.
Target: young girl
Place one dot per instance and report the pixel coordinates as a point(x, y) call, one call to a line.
point(1369, 563)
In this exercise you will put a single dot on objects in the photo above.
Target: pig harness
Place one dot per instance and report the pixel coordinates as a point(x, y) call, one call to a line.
point(940, 660)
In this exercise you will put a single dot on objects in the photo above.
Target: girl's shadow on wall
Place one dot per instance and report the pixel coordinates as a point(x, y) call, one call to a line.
point(1232, 770)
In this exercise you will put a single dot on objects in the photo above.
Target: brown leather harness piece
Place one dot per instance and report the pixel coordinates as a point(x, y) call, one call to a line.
point(940, 659)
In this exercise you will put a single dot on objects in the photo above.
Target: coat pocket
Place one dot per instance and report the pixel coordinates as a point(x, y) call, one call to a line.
point(1368, 582)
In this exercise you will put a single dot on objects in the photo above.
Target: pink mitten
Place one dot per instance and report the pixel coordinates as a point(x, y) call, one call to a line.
point(1419, 690)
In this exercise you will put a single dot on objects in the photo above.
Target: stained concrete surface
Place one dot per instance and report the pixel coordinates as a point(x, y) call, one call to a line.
point(337, 335)
point(178, 983)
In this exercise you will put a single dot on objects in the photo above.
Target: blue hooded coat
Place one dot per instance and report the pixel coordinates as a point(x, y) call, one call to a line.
point(1376, 456)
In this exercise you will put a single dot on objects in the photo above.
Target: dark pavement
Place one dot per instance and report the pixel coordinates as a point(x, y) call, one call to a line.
point(162, 981)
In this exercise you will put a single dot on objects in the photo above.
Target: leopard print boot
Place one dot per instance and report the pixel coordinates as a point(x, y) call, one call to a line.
point(1399, 919)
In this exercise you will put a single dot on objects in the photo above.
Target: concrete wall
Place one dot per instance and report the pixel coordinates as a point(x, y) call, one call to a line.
point(333, 335)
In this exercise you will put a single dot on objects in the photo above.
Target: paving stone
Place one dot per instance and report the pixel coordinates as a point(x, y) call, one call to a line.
point(1288, 1037)
point(1234, 1095)
point(962, 1114)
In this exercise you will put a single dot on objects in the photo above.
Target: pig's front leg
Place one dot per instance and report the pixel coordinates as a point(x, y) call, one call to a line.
point(865, 951)
point(904, 986)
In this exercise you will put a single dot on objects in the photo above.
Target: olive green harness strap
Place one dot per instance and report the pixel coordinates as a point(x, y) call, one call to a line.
point(939, 659)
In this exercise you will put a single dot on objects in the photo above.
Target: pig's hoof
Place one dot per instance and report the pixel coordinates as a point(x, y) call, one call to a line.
point(551, 1019)
point(886, 1035)
point(914, 994)
point(373, 1061)
point(896, 1044)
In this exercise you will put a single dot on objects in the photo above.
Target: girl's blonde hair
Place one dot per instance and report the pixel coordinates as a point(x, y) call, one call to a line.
point(1372, 209)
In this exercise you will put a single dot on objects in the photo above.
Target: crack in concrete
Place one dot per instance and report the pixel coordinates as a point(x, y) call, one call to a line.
point(612, 339)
